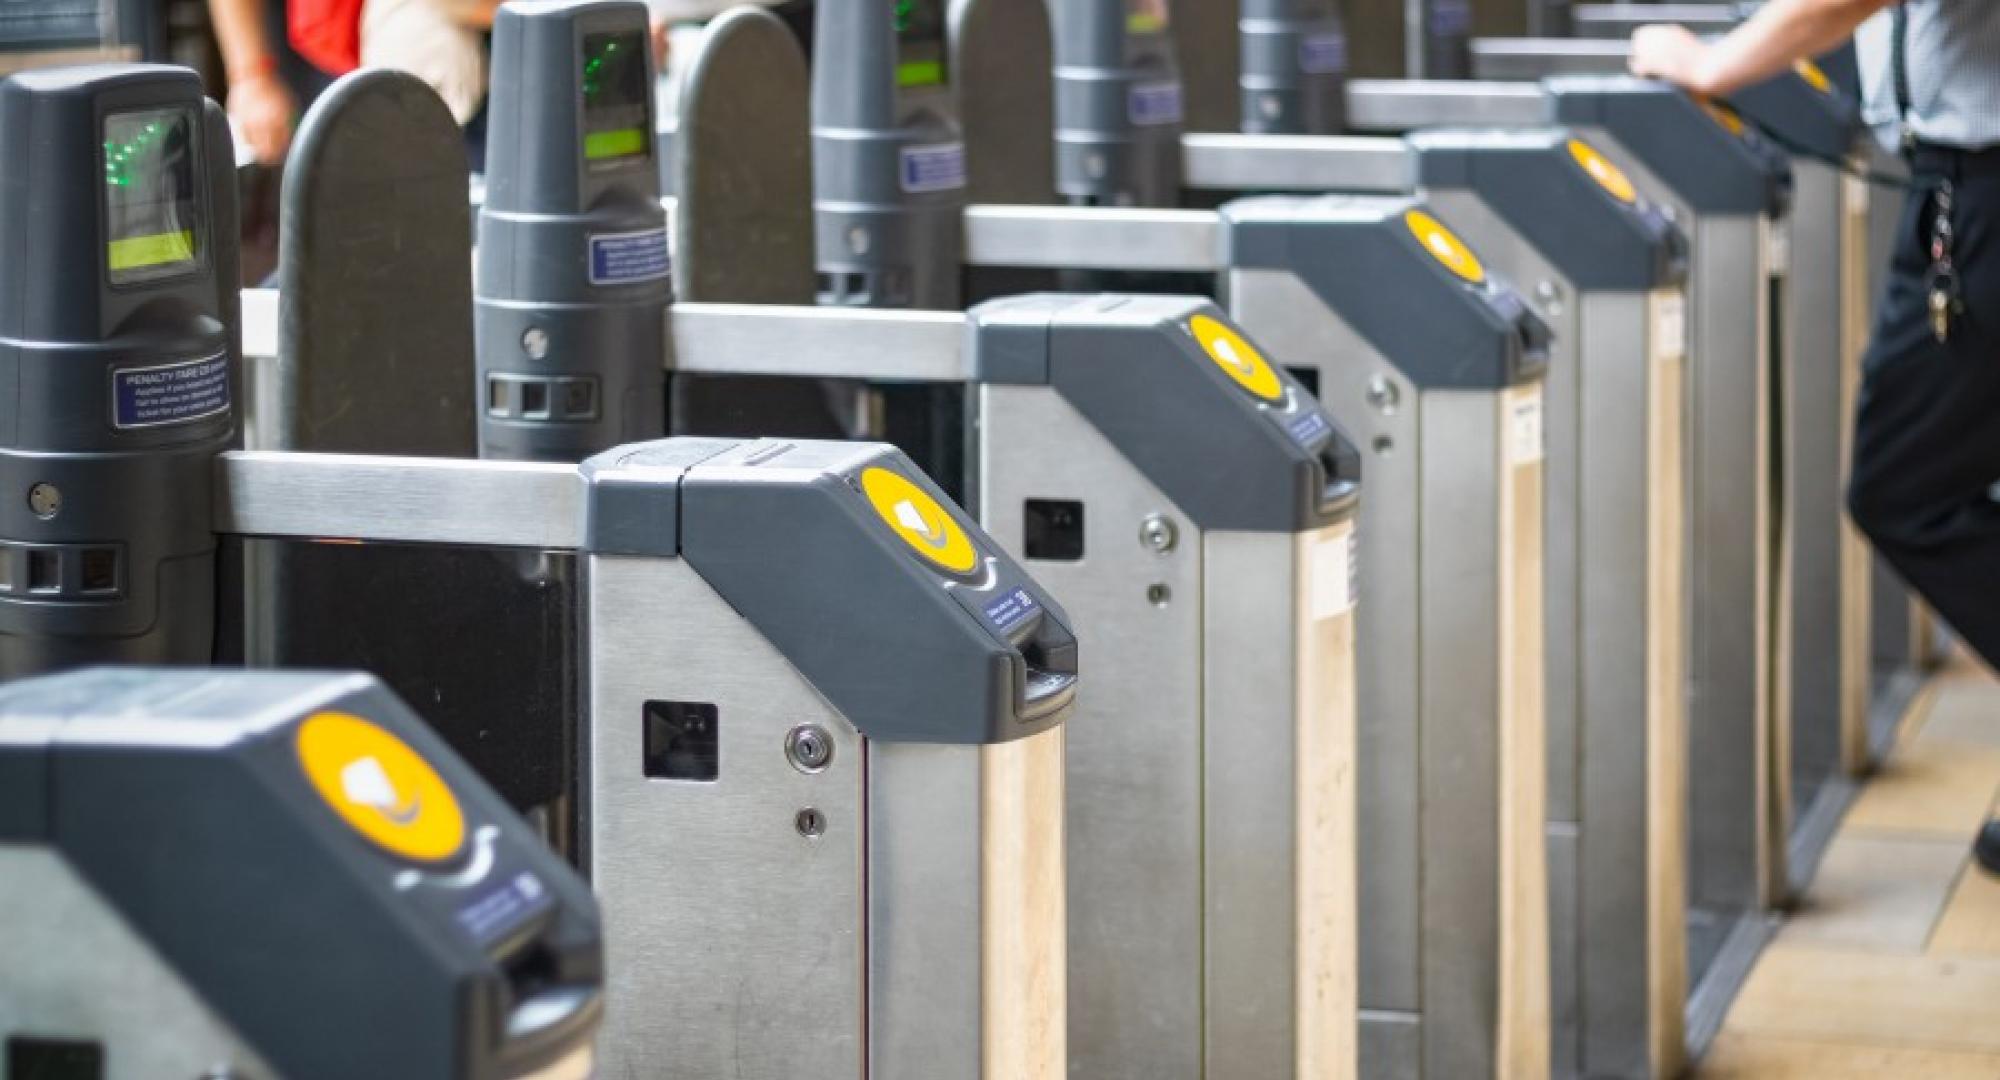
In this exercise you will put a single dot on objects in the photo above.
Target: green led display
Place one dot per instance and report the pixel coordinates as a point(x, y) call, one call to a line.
point(615, 82)
point(122, 156)
point(151, 212)
point(920, 42)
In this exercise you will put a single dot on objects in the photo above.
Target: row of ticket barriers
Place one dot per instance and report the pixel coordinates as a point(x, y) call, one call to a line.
point(741, 482)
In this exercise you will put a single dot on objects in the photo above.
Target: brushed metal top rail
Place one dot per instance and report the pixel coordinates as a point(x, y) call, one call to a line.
point(1395, 105)
point(1296, 163)
point(1093, 238)
point(400, 499)
point(826, 343)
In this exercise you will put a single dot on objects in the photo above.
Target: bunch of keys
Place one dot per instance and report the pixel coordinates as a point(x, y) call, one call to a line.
point(1944, 299)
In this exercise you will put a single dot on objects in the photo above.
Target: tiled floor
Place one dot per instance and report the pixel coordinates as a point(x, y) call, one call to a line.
point(1891, 968)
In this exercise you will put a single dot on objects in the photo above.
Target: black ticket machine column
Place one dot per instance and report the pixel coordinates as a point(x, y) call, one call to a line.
point(110, 288)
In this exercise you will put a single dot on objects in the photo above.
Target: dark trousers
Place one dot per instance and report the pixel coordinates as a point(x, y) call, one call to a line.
point(1927, 437)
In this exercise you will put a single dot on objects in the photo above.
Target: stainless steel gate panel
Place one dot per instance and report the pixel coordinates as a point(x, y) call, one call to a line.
point(1631, 942)
point(1135, 801)
point(1817, 411)
point(720, 863)
point(1453, 934)
point(1291, 321)
point(1730, 732)
point(1279, 758)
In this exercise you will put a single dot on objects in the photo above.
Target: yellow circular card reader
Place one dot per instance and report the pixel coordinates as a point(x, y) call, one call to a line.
point(1608, 176)
point(916, 517)
point(1239, 359)
point(1814, 76)
point(381, 787)
point(1725, 116)
point(1445, 245)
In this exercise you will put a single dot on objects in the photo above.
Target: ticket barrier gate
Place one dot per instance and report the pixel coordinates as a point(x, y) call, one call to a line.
point(1607, 269)
point(1614, 607)
point(323, 841)
point(1450, 875)
point(1193, 504)
point(739, 707)
point(1101, 425)
point(1822, 328)
point(1469, 888)
point(1726, 189)
point(1616, 620)
point(1900, 638)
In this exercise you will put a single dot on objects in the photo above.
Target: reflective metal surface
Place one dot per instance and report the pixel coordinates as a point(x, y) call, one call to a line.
point(409, 500)
point(1296, 163)
point(742, 942)
point(1439, 995)
point(1136, 985)
point(57, 931)
point(1536, 58)
point(1391, 105)
point(1092, 238)
point(822, 343)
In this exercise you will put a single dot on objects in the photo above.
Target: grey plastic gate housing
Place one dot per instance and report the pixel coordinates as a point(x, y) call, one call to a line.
point(279, 914)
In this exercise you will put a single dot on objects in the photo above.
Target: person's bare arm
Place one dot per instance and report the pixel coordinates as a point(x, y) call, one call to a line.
point(472, 14)
point(258, 100)
point(1780, 34)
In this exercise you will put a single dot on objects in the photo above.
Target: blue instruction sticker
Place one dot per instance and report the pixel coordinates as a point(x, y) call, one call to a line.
point(499, 911)
point(1323, 54)
point(1011, 609)
point(937, 167)
point(170, 394)
point(1155, 103)
point(1308, 429)
point(629, 258)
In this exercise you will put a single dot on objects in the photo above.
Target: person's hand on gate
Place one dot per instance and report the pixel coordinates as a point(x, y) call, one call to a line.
point(263, 107)
point(1672, 54)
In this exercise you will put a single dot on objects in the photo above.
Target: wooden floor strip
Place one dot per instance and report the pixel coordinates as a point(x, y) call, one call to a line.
point(1971, 923)
point(1946, 1002)
point(1890, 967)
point(1931, 785)
point(1738, 1057)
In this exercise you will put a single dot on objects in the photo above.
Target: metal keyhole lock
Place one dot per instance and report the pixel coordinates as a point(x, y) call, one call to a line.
point(809, 822)
point(809, 747)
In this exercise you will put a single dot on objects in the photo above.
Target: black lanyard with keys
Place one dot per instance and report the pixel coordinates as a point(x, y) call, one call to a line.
point(1941, 284)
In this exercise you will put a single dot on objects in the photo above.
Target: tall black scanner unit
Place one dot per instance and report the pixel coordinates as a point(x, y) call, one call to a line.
point(574, 277)
point(105, 500)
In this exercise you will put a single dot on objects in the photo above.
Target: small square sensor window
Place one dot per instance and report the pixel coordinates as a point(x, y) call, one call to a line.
point(100, 570)
point(54, 1059)
point(1054, 530)
point(535, 400)
point(682, 741)
point(44, 570)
